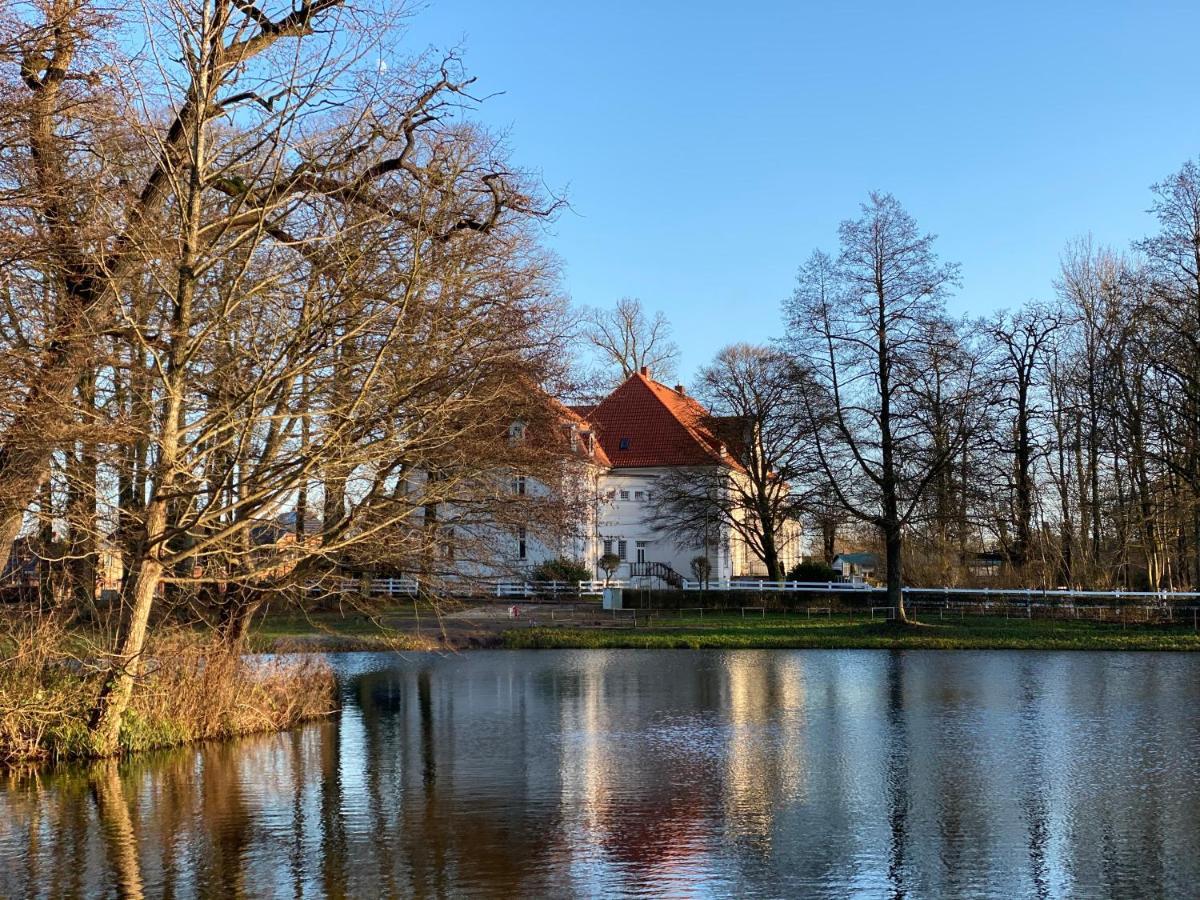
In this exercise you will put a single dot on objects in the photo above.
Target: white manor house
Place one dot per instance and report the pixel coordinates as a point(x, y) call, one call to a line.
point(628, 444)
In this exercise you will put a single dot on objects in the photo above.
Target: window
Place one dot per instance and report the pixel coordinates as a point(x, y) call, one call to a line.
point(622, 549)
point(516, 432)
point(624, 495)
point(623, 444)
point(639, 496)
point(649, 496)
point(521, 547)
point(518, 485)
point(608, 546)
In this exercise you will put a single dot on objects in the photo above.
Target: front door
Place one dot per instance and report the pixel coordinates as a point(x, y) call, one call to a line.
point(641, 551)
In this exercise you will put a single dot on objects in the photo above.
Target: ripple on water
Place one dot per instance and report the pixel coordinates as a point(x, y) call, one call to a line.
point(755, 773)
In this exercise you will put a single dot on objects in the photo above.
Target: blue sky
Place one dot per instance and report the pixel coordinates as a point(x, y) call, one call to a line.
point(706, 148)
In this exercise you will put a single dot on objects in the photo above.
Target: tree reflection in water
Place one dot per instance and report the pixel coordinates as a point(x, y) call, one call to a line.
point(116, 825)
point(756, 772)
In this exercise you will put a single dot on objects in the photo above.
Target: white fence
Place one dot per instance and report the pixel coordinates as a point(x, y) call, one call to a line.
point(823, 587)
point(389, 587)
point(408, 587)
point(553, 588)
point(1022, 595)
point(1033, 594)
point(596, 586)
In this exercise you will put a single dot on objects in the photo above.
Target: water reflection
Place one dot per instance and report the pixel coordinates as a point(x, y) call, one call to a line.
point(647, 773)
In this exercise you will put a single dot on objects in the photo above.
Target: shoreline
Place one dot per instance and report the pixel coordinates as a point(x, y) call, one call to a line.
point(151, 729)
point(723, 631)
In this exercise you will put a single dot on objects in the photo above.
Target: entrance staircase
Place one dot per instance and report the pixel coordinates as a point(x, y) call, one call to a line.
point(656, 570)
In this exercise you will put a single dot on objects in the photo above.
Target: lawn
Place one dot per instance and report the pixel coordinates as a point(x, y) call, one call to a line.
point(385, 629)
point(789, 631)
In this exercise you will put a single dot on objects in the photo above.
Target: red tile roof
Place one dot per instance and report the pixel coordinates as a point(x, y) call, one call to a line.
point(657, 426)
point(549, 425)
point(585, 429)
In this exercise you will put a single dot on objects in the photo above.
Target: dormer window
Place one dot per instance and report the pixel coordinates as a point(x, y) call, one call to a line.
point(623, 444)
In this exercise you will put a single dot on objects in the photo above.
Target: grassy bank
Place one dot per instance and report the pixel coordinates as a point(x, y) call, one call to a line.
point(191, 689)
point(328, 632)
point(729, 632)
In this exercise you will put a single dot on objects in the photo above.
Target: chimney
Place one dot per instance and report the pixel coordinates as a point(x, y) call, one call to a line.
point(680, 391)
point(645, 371)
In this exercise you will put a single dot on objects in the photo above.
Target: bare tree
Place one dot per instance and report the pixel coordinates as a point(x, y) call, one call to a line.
point(258, 275)
point(1024, 339)
point(869, 327)
point(626, 339)
point(943, 524)
point(760, 494)
point(1173, 257)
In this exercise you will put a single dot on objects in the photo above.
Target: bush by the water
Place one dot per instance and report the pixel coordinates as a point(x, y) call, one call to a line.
point(720, 599)
point(192, 688)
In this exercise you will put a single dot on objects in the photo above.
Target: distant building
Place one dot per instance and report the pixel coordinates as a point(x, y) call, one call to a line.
point(986, 565)
point(855, 566)
point(644, 431)
point(24, 567)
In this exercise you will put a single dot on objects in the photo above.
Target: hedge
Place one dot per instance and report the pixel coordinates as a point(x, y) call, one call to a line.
point(636, 598)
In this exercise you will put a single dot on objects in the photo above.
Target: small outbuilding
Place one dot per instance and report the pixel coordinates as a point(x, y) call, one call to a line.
point(855, 566)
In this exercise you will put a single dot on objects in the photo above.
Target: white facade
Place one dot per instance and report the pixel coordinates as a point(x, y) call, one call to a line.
point(516, 551)
point(627, 527)
point(616, 515)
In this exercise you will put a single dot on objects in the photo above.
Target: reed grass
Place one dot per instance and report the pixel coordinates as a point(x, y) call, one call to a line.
point(192, 688)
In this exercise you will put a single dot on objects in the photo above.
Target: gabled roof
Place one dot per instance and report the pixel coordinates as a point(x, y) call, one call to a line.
point(585, 429)
point(864, 559)
point(553, 425)
point(644, 424)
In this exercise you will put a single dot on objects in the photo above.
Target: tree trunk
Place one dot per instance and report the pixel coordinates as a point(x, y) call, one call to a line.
point(105, 725)
point(242, 604)
point(771, 557)
point(829, 539)
point(1024, 488)
point(893, 546)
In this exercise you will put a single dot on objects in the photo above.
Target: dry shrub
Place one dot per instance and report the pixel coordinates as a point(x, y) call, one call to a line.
point(192, 688)
point(196, 690)
point(44, 690)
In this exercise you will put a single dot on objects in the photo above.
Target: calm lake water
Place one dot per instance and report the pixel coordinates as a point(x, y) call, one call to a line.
point(659, 773)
